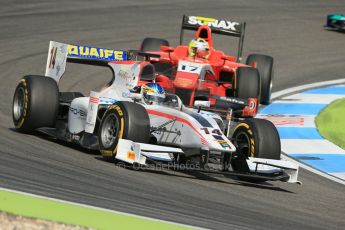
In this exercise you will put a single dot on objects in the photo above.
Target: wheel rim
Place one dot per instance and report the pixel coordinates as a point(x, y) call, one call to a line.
point(110, 130)
point(242, 143)
point(18, 103)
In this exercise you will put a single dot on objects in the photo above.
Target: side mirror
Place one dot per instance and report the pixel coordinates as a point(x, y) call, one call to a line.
point(205, 104)
point(167, 49)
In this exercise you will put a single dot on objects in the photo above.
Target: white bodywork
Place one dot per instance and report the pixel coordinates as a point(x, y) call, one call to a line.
point(186, 128)
point(173, 125)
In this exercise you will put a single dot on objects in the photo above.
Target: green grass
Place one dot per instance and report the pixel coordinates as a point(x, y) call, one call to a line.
point(331, 122)
point(29, 206)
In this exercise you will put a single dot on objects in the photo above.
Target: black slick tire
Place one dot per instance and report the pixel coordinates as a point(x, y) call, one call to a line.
point(257, 138)
point(247, 84)
point(35, 103)
point(122, 120)
point(254, 138)
point(264, 64)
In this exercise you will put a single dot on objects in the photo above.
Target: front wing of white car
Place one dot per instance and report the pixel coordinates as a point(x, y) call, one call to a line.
point(138, 153)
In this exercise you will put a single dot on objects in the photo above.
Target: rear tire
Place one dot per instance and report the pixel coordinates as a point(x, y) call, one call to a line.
point(264, 64)
point(247, 83)
point(153, 44)
point(35, 103)
point(122, 120)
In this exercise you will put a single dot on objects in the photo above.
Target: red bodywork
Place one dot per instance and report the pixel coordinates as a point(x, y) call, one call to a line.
point(189, 85)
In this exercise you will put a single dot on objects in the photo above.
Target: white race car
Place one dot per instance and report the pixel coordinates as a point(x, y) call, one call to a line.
point(123, 125)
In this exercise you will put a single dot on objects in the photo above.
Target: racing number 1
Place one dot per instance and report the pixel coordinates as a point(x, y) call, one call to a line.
point(215, 131)
point(52, 57)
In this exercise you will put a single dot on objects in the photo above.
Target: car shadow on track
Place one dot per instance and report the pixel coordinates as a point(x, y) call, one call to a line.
point(63, 143)
point(337, 31)
point(194, 175)
point(225, 180)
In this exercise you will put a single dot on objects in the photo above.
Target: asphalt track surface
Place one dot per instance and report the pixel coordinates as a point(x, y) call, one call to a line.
point(290, 31)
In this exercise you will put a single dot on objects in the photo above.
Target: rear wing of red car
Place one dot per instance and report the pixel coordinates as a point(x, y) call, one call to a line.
point(218, 26)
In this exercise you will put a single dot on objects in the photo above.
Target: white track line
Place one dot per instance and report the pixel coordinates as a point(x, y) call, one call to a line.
point(310, 146)
point(307, 98)
point(304, 87)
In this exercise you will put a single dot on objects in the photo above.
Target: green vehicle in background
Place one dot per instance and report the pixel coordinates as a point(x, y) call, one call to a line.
point(335, 22)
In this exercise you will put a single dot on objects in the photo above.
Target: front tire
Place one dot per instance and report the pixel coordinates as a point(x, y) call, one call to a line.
point(254, 138)
point(247, 83)
point(35, 103)
point(122, 120)
point(257, 138)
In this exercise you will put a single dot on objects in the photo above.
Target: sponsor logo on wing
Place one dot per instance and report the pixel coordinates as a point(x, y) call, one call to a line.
point(220, 140)
point(131, 155)
point(76, 51)
point(251, 108)
point(212, 22)
point(94, 100)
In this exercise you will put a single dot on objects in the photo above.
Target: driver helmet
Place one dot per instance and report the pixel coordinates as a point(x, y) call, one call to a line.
point(199, 47)
point(152, 93)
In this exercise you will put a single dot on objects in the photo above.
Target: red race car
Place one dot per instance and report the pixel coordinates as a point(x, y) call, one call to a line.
point(200, 72)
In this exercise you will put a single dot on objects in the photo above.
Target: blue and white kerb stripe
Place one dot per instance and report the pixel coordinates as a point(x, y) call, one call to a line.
point(294, 117)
